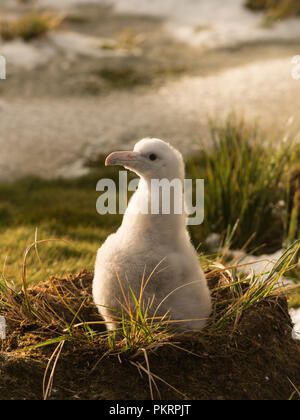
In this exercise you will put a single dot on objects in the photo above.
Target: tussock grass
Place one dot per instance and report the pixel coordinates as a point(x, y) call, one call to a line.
point(127, 40)
point(247, 179)
point(30, 26)
point(276, 9)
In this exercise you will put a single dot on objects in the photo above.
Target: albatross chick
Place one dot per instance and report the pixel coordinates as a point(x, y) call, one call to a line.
point(151, 252)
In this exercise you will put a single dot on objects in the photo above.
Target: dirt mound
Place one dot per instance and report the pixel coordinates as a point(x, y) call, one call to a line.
point(254, 359)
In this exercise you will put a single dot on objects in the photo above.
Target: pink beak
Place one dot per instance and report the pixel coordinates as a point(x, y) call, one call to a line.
point(122, 158)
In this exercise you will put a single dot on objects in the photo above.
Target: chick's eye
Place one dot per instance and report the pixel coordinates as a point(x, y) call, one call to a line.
point(152, 156)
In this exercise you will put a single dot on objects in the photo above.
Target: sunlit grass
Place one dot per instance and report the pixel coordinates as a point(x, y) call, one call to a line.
point(259, 286)
point(60, 208)
point(247, 179)
point(139, 326)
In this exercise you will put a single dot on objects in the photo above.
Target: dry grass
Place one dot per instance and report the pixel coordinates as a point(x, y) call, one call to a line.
point(30, 26)
point(237, 188)
point(64, 343)
point(65, 307)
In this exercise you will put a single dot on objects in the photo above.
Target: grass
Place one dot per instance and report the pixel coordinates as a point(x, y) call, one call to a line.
point(59, 313)
point(137, 328)
point(60, 208)
point(275, 9)
point(64, 209)
point(259, 285)
point(247, 179)
point(127, 40)
point(30, 26)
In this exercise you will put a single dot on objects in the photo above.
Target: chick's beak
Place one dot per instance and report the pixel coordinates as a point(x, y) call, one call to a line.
point(122, 158)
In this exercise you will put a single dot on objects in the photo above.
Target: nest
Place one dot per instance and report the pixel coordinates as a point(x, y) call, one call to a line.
point(254, 358)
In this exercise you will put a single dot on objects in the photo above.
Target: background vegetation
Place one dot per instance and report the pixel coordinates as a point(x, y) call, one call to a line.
point(276, 9)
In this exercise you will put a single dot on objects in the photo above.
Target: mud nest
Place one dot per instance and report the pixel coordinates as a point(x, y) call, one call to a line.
point(256, 359)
